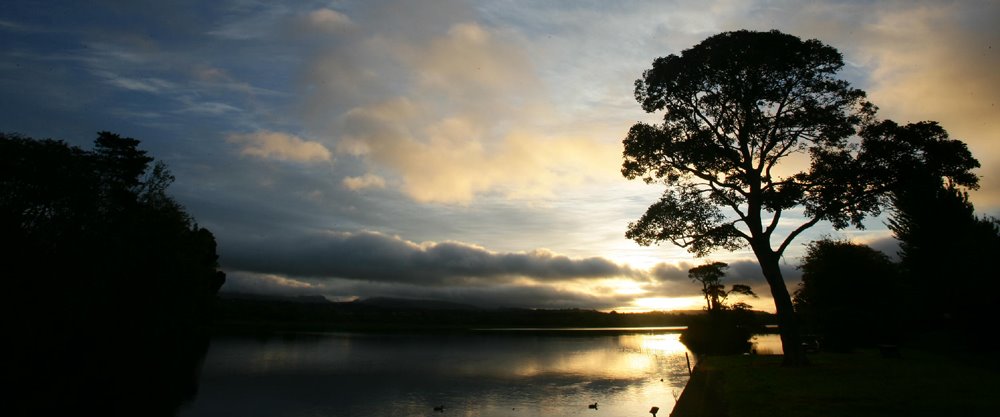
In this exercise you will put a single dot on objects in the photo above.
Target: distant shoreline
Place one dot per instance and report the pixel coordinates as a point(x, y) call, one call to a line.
point(285, 315)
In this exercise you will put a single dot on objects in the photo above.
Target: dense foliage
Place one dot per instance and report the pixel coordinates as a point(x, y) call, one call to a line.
point(946, 254)
point(850, 294)
point(107, 272)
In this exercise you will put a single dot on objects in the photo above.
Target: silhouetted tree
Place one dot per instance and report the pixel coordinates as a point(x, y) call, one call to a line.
point(850, 293)
point(735, 106)
point(111, 280)
point(725, 329)
point(710, 276)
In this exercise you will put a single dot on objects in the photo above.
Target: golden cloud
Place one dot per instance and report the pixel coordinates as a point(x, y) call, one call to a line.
point(469, 124)
point(281, 146)
point(365, 181)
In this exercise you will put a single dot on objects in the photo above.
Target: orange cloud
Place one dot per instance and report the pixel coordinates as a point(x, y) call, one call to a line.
point(281, 146)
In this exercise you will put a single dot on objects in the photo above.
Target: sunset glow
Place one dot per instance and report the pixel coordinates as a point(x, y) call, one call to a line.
point(669, 303)
point(461, 151)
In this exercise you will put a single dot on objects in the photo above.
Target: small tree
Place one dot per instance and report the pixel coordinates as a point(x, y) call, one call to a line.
point(735, 107)
point(710, 276)
point(726, 329)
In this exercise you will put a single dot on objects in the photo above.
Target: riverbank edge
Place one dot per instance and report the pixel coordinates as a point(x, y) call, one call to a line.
point(702, 396)
point(864, 382)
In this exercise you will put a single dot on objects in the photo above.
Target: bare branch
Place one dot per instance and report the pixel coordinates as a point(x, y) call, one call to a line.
point(774, 222)
point(794, 234)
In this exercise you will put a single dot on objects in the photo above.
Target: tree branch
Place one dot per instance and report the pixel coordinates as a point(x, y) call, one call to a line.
point(794, 234)
point(774, 222)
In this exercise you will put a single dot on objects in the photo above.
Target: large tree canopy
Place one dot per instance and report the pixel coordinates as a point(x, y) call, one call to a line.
point(735, 106)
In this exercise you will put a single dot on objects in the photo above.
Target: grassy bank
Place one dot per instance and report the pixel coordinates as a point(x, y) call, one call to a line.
point(852, 384)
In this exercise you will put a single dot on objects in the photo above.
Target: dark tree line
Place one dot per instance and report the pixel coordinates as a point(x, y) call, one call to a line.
point(263, 315)
point(948, 253)
point(855, 296)
point(110, 282)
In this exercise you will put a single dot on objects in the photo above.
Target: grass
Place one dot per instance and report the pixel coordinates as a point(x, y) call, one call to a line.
point(851, 384)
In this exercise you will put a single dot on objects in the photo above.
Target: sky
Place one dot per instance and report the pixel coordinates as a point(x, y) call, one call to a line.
point(466, 151)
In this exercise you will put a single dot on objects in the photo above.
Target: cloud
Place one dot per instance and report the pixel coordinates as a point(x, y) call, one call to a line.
point(344, 266)
point(329, 20)
point(466, 117)
point(500, 295)
point(365, 181)
point(938, 61)
point(208, 108)
point(888, 245)
point(918, 60)
point(370, 256)
point(146, 85)
point(280, 146)
point(253, 283)
point(253, 23)
point(672, 280)
point(453, 159)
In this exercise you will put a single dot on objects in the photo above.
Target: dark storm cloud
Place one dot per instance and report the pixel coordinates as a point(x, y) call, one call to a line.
point(493, 296)
point(377, 257)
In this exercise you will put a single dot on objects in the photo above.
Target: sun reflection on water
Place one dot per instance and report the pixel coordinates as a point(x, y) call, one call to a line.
point(487, 374)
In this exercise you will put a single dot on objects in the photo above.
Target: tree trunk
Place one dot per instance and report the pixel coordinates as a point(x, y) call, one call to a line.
point(787, 323)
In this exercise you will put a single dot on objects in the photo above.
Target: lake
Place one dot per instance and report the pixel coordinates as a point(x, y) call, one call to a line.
point(522, 373)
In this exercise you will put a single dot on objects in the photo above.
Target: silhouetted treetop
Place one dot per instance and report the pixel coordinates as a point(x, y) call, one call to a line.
point(734, 106)
point(905, 156)
point(710, 276)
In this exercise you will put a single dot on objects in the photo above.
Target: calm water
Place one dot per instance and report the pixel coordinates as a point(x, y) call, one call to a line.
point(516, 373)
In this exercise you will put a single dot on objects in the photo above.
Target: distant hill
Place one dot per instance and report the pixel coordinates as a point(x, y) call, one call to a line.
point(308, 299)
point(414, 304)
point(258, 312)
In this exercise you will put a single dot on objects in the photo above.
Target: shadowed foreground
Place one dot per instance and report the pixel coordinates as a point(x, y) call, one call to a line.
point(856, 384)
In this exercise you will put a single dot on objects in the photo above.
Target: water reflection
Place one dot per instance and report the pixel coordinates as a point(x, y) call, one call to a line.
point(492, 374)
point(767, 344)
